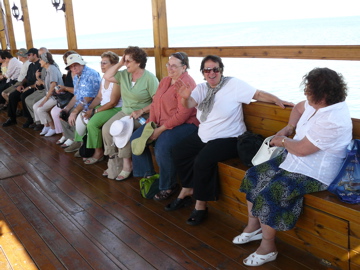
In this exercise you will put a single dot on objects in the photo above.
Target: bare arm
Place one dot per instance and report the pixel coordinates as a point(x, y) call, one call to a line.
point(295, 115)
point(264, 96)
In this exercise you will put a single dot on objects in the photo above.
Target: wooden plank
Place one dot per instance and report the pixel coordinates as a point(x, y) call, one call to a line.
point(11, 250)
point(28, 238)
point(9, 167)
point(48, 231)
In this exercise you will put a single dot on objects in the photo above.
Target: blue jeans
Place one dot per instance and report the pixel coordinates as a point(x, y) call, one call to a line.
point(143, 165)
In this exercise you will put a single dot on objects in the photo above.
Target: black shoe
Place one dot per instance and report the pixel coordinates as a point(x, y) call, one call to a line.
point(38, 127)
point(178, 203)
point(27, 124)
point(197, 216)
point(32, 125)
point(18, 112)
point(9, 122)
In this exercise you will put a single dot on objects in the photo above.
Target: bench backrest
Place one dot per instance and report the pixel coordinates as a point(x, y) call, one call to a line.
point(266, 119)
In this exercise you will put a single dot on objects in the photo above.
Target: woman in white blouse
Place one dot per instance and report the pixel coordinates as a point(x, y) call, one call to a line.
point(275, 189)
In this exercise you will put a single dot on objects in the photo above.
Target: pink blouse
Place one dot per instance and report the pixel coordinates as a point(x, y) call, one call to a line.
point(166, 108)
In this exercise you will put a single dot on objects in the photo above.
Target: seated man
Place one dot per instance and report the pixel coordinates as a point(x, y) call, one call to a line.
point(12, 72)
point(22, 56)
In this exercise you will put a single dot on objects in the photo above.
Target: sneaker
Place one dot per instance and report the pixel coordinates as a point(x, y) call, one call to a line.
point(73, 147)
point(44, 131)
point(9, 122)
point(50, 133)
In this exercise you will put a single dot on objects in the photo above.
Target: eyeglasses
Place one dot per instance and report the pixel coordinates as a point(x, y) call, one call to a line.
point(172, 66)
point(215, 70)
point(104, 62)
point(128, 61)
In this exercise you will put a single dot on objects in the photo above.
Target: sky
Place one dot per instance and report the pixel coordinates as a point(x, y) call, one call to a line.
point(123, 15)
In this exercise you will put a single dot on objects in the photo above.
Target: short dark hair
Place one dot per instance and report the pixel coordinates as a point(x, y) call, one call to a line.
point(215, 59)
point(183, 57)
point(137, 54)
point(6, 54)
point(325, 83)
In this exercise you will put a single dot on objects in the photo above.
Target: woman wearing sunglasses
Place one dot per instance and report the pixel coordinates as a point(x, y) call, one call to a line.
point(219, 110)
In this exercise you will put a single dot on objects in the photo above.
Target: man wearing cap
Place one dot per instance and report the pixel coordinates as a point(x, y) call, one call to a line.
point(22, 56)
point(25, 88)
point(12, 72)
point(86, 87)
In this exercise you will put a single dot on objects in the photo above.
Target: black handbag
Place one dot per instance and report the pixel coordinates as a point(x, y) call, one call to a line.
point(86, 152)
point(247, 145)
point(63, 99)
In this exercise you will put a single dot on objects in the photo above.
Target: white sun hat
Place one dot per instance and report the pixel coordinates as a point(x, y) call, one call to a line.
point(80, 124)
point(121, 131)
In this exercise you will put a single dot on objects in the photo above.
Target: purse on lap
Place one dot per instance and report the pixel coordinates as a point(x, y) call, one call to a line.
point(63, 99)
point(266, 152)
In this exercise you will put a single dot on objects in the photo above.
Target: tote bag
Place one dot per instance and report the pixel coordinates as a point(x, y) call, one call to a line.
point(266, 152)
point(346, 184)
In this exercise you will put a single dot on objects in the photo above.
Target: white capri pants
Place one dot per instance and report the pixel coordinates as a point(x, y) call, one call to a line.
point(42, 113)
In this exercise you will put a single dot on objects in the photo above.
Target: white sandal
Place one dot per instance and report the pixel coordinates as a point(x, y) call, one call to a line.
point(248, 237)
point(255, 259)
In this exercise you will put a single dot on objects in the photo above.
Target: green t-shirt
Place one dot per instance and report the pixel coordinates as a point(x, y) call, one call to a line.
point(138, 96)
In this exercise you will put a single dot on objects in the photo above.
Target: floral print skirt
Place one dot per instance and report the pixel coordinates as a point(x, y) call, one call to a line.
point(277, 195)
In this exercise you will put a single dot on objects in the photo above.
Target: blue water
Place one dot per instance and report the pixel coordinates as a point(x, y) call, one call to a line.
point(278, 76)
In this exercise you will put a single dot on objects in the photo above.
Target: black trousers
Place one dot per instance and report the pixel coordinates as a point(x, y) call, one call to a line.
point(196, 164)
point(14, 98)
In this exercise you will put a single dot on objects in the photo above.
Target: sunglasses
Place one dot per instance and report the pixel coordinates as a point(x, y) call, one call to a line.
point(104, 62)
point(215, 70)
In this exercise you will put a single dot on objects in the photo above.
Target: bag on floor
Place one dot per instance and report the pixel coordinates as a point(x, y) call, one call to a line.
point(115, 166)
point(149, 187)
point(86, 152)
point(247, 146)
point(346, 184)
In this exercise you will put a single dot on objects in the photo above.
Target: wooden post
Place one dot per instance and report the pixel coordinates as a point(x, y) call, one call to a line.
point(2, 31)
point(160, 36)
point(27, 26)
point(70, 25)
point(10, 27)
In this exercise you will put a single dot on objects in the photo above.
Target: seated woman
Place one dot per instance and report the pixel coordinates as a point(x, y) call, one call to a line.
point(137, 86)
point(174, 123)
point(43, 106)
point(219, 110)
point(275, 189)
point(106, 104)
point(67, 86)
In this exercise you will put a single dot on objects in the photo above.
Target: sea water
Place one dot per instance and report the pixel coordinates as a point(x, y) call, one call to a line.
point(281, 77)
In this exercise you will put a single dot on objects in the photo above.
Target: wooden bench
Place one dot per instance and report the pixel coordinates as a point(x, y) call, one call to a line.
point(328, 228)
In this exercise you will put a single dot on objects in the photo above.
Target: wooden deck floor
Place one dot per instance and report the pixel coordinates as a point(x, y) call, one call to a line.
point(57, 213)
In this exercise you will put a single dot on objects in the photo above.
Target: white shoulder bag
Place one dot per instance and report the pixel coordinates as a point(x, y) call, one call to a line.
point(266, 152)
